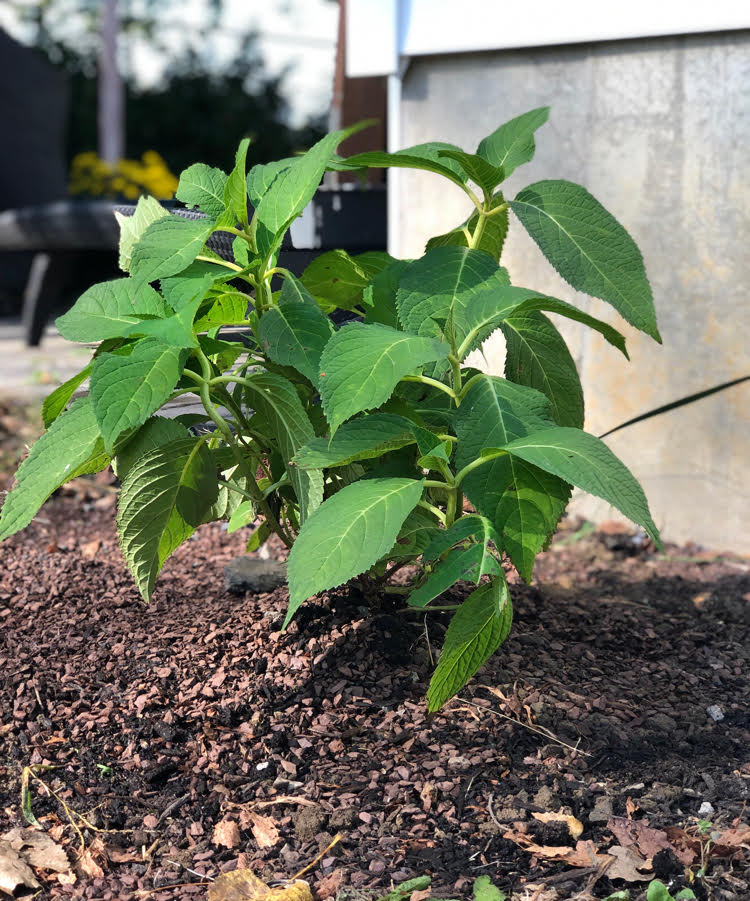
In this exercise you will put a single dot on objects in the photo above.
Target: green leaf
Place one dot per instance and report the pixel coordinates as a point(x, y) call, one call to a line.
point(108, 309)
point(70, 447)
point(339, 279)
point(492, 238)
point(416, 533)
point(379, 297)
point(292, 188)
point(589, 248)
point(243, 516)
point(512, 144)
point(147, 210)
point(57, 401)
point(261, 177)
point(482, 173)
point(222, 353)
point(493, 413)
point(163, 500)
point(435, 292)
point(484, 890)
point(422, 156)
point(492, 307)
point(259, 537)
point(202, 186)
point(360, 439)
point(225, 308)
point(347, 534)
point(235, 190)
point(469, 526)
point(154, 433)
point(195, 281)
point(277, 401)
point(294, 332)
point(462, 564)
point(175, 330)
point(362, 364)
point(537, 356)
point(528, 512)
point(125, 391)
point(478, 628)
point(586, 462)
point(168, 246)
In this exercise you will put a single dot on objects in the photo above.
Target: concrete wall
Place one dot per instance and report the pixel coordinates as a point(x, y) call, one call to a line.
point(659, 131)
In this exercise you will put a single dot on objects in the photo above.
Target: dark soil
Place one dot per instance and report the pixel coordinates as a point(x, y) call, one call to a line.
point(166, 720)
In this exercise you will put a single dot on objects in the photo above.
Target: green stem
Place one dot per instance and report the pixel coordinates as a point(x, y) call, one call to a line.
point(472, 381)
point(223, 426)
point(232, 486)
point(421, 610)
point(456, 378)
point(426, 380)
point(475, 464)
point(434, 510)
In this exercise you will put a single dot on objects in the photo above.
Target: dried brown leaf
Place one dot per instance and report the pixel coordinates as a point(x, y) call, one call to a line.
point(329, 885)
point(297, 891)
point(628, 865)
point(238, 885)
point(15, 873)
point(264, 830)
point(226, 833)
point(575, 827)
point(638, 834)
point(89, 864)
point(38, 849)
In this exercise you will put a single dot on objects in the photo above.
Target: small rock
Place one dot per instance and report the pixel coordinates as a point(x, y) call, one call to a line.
point(706, 809)
point(715, 712)
point(308, 823)
point(602, 812)
point(661, 722)
point(254, 575)
point(546, 799)
point(345, 818)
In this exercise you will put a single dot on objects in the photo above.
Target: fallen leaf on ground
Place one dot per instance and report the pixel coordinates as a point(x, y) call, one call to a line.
point(264, 830)
point(628, 865)
point(421, 895)
point(244, 885)
point(122, 855)
point(575, 827)
point(15, 873)
point(90, 549)
point(646, 840)
point(618, 862)
point(38, 849)
point(731, 841)
point(226, 833)
point(89, 864)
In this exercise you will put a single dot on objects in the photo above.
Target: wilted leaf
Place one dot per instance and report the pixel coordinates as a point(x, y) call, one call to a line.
point(575, 827)
point(646, 840)
point(38, 849)
point(237, 885)
point(88, 862)
point(226, 833)
point(264, 830)
point(15, 873)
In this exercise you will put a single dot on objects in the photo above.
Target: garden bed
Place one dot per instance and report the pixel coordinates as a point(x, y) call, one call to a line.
point(621, 693)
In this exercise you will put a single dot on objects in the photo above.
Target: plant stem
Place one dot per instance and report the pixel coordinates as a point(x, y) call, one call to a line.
point(223, 426)
point(426, 380)
point(436, 511)
point(475, 464)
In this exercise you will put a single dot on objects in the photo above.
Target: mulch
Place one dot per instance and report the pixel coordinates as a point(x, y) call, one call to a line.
point(197, 737)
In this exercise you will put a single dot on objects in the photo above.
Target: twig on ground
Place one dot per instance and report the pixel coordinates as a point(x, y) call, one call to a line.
point(491, 812)
point(538, 730)
point(170, 808)
point(192, 872)
point(337, 838)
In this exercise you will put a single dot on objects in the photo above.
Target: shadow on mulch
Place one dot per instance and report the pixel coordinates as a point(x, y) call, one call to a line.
point(166, 720)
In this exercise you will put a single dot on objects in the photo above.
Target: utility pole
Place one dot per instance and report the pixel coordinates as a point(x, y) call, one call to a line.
point(111, 95)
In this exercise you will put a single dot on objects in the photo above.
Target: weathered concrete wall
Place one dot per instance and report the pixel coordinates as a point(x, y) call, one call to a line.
point(659, 131)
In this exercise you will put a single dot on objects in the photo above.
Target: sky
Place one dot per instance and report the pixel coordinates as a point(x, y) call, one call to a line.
point(295, 34)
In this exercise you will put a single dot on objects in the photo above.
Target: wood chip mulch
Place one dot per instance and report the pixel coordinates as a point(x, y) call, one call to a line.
point(196, 737)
